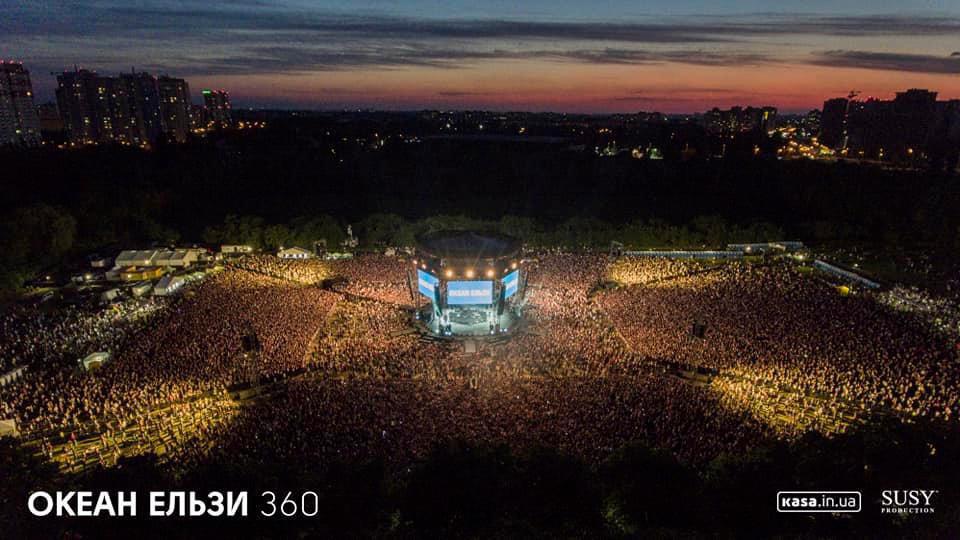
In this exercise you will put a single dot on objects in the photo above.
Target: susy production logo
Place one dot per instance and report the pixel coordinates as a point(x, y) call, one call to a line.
point(907, 501)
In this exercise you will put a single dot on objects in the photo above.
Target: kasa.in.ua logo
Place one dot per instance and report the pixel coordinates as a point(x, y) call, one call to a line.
point(818, 501)
point(907, 501)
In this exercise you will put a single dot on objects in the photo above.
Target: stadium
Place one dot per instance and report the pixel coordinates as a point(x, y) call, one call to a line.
point(473, 283)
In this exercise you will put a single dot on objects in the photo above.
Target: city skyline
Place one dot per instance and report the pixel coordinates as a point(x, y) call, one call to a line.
point(676, 57)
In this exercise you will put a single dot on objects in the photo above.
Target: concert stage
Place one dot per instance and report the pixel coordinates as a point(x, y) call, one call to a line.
point(466, 322)
point(468, 283)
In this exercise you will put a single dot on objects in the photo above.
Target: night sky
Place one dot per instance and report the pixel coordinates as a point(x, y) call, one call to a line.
point(670, 56)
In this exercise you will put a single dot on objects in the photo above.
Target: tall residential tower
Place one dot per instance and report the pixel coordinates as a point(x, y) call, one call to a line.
point(175, 107)
point(19, 123)
point(217, 105)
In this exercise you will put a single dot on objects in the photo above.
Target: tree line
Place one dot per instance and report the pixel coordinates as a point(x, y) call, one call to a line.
point(302, 182)
point(41, 236)
point(382, 230)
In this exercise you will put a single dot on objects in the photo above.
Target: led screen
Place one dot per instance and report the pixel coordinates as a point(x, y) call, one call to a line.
point(469, 292)
point(510, 283)
point(426, 284)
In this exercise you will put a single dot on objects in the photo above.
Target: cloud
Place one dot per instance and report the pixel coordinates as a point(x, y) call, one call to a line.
point(700, 95)
point(463, 93)
point(696, 57)
point(873, 25)
point(259, 59)
point(653, 98)
point(218, 18)
point(252, 37)
point(919, 63)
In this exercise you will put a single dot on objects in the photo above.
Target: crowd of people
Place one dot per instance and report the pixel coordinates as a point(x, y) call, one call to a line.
point(376, 277)
point(583, 374)
point(303, 271)
point(192, 347)
point(943, 313)
point(774, 325)
point(37, 333)
point(182, 433)
point(320, 421)
point(567, 381)
point(646, 271)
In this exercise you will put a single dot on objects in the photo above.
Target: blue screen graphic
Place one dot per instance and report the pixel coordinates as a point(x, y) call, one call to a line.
point(426, 284)
point(469, 292)
point(510, 283)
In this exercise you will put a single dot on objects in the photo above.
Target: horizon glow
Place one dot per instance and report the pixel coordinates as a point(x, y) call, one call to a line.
point(672, 57)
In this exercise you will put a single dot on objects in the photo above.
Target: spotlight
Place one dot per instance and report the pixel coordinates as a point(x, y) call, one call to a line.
point(449, 273)
point(470, 273)
point(513, 265)
point(490, 272)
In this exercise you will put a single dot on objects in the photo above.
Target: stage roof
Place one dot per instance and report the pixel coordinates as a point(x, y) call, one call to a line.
point(468, 245)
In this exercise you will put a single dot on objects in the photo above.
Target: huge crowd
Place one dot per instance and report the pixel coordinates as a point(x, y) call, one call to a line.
point(941, 312)
point(567, 381)
point(195, 346)
point(303, 271)
point(774, 325)
point(35, 333)
point(375, 277)
point(585, 373)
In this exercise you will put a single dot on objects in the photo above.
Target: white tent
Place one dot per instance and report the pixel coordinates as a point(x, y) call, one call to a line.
point(100, 262)
point(236, 248)
point(178, 257)
point(294, 253)
point(141, 289)
point(94, 360)
point(109, 295)
point(158, 257)
point(136, 258)
point(168, 285)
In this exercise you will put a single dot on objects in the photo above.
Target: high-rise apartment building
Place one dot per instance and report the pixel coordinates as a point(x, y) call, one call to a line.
point(739, 120)
point(217, 105)
point(19, 123)
point(143, 94)
point(175, 107)
point(95, 109)
point(912, 126)
point(833, 123)
point(77, 99)
point(132, 108)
